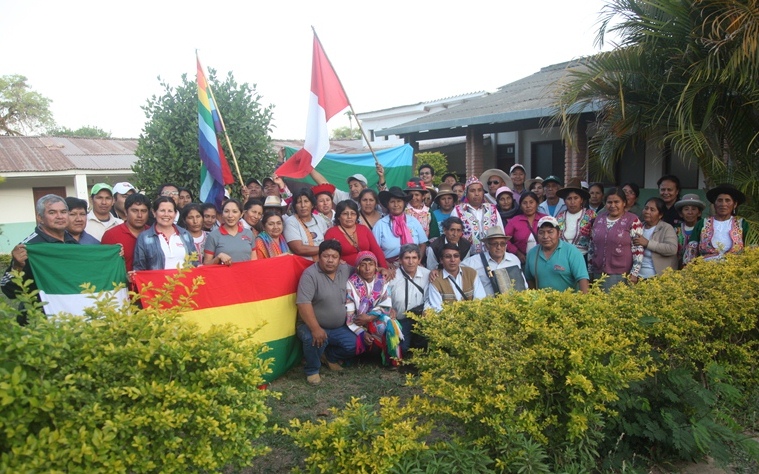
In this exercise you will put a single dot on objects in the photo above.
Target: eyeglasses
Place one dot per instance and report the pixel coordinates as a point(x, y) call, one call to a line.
point(497, 244)
point(424, 172)
point(490, 183)
point(170, 193)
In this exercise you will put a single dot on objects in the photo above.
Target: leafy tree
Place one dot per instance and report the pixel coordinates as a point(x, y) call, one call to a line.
point(346, 133)
point(88, 131)
point(167, 149)
point(685, 75)
point(22, 110)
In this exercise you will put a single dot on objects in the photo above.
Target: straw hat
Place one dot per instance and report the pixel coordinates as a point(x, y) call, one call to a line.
point(496, 172)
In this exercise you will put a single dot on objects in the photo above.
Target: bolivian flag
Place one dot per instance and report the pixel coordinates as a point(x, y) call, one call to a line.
point(60, 271)
point(247, 294)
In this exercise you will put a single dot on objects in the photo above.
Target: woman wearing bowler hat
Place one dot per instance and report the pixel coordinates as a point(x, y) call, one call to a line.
point(690, 208)
point(721, 233)
point(576, 222)
point(416, 207)
point(397, 228)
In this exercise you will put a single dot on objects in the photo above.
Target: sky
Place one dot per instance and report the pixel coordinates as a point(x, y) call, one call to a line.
point(99, 61)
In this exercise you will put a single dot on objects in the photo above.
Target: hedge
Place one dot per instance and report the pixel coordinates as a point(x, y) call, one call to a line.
point(127, 390)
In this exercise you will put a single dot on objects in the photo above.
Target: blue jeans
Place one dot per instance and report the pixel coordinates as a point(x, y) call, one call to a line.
point(340, 345)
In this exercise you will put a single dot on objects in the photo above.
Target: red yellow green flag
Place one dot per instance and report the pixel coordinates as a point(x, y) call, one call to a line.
point(246, 294)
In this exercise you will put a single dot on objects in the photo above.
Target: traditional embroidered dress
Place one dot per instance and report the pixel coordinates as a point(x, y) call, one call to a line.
point(703, 243)
point(267, 247)
point(373, 298)
point(476, 223)
point(422, 215)
point(683, 236)
point(581, 225)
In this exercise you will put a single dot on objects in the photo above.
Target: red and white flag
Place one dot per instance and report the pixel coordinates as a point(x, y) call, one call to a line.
point(326, 100)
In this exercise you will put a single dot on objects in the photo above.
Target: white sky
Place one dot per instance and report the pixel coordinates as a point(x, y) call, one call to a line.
point(98, 61)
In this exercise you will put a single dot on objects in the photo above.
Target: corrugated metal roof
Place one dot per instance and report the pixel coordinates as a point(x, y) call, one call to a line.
point(526, 98)
point(41, 154)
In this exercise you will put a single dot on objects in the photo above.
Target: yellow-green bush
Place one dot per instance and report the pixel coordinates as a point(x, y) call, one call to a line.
point(132, 390)
point(360, 440)
point(541, 365)
point(566, 382)
point(706, 313)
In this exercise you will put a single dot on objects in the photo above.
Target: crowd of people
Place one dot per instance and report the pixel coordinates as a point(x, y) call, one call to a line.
point(379, 255)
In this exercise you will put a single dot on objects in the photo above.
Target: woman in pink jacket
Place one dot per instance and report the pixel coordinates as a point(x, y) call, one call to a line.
point(523, 228)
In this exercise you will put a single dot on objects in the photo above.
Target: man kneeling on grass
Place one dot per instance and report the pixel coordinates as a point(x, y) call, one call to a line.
point(321, 312)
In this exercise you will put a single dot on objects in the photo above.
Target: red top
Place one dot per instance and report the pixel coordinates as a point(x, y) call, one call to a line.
point(121, 234)
point(366, 241)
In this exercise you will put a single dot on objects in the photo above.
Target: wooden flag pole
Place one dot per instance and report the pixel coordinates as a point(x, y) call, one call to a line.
point(223, 127)
point(363, 134)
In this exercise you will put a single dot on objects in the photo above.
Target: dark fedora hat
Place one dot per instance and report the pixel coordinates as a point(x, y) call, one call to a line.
point(416, 184)
point(394, 192)
point(725, 188)
point(574, 185)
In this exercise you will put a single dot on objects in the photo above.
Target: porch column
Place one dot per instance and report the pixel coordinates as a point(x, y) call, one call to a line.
point(576, 157)
point(475, 152)
point(80, 187)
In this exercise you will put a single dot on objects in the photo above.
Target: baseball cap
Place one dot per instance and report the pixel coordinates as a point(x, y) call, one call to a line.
point(552, 179)
point(515, 166)
point(548, 220)
point(358, 177)
point(99, 187)
point(123, 188)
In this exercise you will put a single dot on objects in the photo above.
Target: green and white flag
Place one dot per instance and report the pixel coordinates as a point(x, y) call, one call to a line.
point(60, 270)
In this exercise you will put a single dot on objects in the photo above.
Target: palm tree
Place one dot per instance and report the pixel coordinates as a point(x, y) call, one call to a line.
point(684, 74)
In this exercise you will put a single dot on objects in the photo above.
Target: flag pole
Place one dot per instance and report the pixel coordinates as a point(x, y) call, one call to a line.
point(363, 134)
point(223, 127)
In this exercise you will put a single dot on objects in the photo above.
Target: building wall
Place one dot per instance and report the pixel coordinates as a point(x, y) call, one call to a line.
point(523, 141)
point(18, 217)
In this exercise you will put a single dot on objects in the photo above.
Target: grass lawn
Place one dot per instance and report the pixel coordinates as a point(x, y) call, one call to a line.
point(365, 378)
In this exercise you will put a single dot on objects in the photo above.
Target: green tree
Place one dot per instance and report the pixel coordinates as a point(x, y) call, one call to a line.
point(22, 110)
point(88, 131)
point(346, 133)
point(167, 150)
point(437, 160)
point(684, 75)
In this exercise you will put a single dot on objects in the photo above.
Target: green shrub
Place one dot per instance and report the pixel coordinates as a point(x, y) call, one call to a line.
point(5, 261)
point(130, 390)
point(674, 416)
point(359, 439)
point(446, 457)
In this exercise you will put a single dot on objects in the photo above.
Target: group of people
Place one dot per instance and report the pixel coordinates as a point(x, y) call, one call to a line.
point(380, 254)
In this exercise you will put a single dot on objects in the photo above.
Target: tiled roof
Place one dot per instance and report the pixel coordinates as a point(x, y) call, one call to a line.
point(527, 98)
point(40, 154)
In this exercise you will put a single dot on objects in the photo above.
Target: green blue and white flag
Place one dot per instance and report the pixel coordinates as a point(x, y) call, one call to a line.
point(336, 168)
